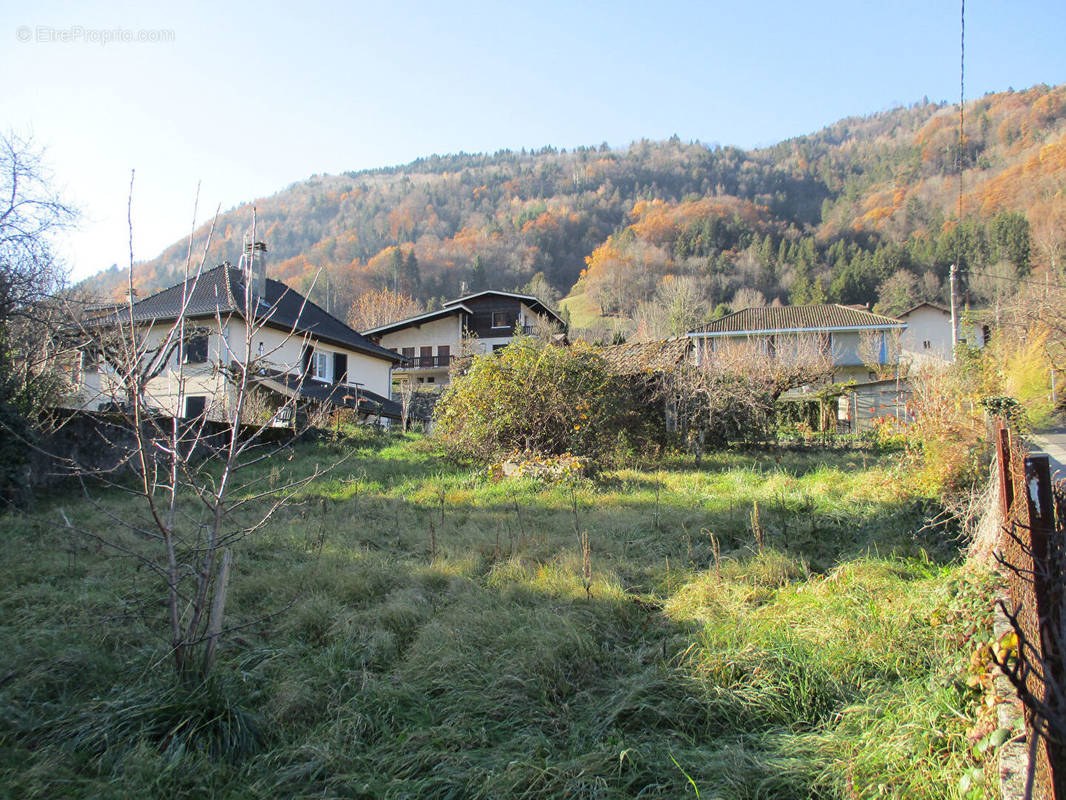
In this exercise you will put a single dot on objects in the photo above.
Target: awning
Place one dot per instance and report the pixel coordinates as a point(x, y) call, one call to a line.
point(338, 395)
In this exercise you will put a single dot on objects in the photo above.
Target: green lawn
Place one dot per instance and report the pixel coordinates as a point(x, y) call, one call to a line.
point(827, 665)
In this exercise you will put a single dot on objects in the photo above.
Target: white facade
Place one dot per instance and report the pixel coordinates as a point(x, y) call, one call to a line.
point(179, 388)
point(927, 339)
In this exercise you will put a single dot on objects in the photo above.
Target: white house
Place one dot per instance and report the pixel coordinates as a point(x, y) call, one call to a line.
point(484, 321)
point(927, 339)
point(298, 349)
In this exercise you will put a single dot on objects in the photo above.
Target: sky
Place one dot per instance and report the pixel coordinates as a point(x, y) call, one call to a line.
point(244, 99)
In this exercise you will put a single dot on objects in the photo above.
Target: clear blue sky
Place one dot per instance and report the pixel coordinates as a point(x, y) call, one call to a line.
point(250, 97)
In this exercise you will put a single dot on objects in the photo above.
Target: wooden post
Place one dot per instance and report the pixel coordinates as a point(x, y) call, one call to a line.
point(214, 627)
point(1003, 467)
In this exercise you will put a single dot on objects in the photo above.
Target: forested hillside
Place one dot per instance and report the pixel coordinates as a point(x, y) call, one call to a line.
point(664, 232)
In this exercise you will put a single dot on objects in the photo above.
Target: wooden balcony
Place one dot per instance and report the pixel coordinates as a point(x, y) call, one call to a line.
point(425, 362)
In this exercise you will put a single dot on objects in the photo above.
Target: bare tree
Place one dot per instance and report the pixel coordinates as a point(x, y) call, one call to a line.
point(731, 390)
point(880, 352)
point(678, 306)
point(380, 307)
point(31, 213)
point(194, 473)
point(747, 297)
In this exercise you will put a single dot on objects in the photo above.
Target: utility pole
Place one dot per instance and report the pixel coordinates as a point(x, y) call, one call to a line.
point(954, 314)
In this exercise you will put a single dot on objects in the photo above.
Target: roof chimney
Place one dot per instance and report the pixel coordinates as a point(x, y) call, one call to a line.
point(253, 264)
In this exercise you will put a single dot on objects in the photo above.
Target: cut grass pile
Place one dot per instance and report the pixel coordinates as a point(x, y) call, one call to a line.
point(434, 638)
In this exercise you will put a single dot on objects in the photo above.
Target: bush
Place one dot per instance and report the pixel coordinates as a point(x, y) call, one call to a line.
point(536, 397)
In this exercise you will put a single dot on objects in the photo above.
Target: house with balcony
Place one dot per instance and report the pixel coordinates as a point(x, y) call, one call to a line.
point(474, 324)
point(302, 356)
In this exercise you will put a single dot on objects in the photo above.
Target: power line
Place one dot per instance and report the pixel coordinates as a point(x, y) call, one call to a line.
point(1016, 280)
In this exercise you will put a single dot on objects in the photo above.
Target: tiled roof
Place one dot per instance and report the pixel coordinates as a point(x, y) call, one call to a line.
point(221, 291)
point(797, 318)
point(638, 357)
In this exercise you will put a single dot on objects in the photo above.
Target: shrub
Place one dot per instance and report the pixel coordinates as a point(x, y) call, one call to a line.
point(536, 397)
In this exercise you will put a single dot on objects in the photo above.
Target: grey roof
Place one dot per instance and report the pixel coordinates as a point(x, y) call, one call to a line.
point(336, 394)
point(221, 291)
point(796, 318)
point(418, 320)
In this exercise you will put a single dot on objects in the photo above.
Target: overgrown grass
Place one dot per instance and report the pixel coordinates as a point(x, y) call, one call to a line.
point(425, 632)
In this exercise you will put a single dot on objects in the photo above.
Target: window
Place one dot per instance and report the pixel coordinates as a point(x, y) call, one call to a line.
point(340, 367)
point(497, 347)
point(499, 319)
point(425, 356)
point(431, 379)
point(195, 405)
point(408, 356)
point(196, 350)
point(322, 367)
point(825, 343)
point(926, 344)
point(771, 347)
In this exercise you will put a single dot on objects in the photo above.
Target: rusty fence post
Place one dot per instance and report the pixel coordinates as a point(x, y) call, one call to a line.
point(1006, 478)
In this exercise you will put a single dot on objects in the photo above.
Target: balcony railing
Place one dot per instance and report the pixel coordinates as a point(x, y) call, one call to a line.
point(425, 362)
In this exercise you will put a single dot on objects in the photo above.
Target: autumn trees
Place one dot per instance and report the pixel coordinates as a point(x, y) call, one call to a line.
point(836, 216)
point(380, 307)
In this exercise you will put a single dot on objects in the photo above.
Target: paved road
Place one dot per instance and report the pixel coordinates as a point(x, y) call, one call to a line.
point(1052, 442)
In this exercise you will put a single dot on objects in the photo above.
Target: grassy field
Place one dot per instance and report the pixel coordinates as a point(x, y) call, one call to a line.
point(435, 637)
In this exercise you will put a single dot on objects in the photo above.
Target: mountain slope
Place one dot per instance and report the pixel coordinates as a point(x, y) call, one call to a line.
point(833, 215)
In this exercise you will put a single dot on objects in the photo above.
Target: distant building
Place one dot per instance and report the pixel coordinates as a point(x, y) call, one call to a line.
point(300, 351)
point(855, 339)
point(486, 321)
point(863, 347)
point(927, 339)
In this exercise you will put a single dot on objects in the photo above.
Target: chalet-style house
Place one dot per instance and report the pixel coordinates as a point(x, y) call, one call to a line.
point(853, 337)
point(299, 350)
point(480, 322)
